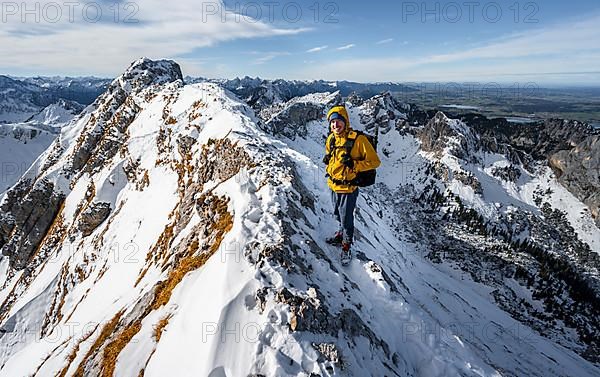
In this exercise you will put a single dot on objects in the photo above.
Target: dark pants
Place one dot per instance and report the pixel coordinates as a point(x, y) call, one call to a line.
point(343, 212)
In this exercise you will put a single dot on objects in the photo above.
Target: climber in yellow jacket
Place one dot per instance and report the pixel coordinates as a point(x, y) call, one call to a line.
point(347, 153)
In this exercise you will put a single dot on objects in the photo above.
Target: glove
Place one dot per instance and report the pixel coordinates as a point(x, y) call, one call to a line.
point(348, 161)
point(326, 159)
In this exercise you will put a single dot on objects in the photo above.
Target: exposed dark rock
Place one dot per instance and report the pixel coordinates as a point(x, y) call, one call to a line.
point(570, 147)
point(29, 211)
point(290, 118)
point(93, 216)
point(311, 314)
point(260, 93)
point(470, 180)
point(443, 134)
point(374, 267)
point(355, 99)
point(329, 352)
point(381, 113)
point(261, 299)
point(307, 313)
point(19, 100)
point(145, 72)
point(292, 121)
point(112, 139)
point(507, 173)
point(220, 160)
point(185, 144)
point(539, 139)
point(578, 169)
point(27, 214)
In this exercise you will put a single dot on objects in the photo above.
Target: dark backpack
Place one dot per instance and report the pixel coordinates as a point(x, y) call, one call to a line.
point(363, 178)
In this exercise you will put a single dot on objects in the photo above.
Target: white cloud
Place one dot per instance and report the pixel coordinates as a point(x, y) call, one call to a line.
point(569, 47)
point(556, 40)
point(383, 41)
point(107, 47)
point(317, 49)
point(268, 56)
point(346, 47)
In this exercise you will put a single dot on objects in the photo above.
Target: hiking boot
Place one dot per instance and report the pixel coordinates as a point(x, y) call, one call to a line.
point(346, 255)
point(335, 240)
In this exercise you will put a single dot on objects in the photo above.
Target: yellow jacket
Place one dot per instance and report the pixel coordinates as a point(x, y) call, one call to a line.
point(364, 156)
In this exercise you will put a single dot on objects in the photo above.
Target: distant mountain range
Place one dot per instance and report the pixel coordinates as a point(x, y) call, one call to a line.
point(21, 98)
point(272, 91)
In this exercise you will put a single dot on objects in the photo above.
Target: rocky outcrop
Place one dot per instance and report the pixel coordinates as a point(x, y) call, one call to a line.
point(382, 113)
point(93, 216)
point(27, 214)
point(441, 135)
point(543, 254)
point(470, 180)
point(571, 149)
point(290, 119)
point(540, 139)
point(507, 173)
point(145, 72)
point(578, 169)
point(221, 160)
point(329, 351)
point(311, 314)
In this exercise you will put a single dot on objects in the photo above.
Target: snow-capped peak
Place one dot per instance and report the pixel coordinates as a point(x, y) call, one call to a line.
point(57, 114)
point(144, 72)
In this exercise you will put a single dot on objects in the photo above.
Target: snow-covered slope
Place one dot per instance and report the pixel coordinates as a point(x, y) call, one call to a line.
point(30, 119)
point(179, 237)
point(57, 114)
point(22, 143)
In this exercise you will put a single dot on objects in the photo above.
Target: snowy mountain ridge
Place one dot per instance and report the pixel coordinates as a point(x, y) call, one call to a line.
point(22, 143)
point(171, 229)
point(57, 114)
point(259, 93)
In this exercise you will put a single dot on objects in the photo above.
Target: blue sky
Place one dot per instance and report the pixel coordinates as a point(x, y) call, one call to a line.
point(547, 42)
